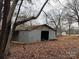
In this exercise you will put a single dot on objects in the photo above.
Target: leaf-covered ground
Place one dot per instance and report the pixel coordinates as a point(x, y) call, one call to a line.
point(66, 47)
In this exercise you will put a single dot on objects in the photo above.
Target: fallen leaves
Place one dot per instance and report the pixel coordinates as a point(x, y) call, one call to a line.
point(65, 48)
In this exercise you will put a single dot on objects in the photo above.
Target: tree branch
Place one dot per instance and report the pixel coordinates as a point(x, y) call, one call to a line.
point(18, 10)
point(50, 18)
point(30, 18)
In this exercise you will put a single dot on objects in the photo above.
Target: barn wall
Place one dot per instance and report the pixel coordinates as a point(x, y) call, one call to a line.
point(34, 36)
point(23, 36)
point(52, 35)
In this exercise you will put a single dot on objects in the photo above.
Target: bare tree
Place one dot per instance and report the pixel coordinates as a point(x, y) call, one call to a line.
point(69, 20)
point(1, 5)
point(6, 24)
point(7, 27)
point(56, 20)
point(73, 7)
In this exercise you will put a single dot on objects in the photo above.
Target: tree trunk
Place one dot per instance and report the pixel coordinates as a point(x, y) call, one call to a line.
point(78, 27)
point(78, 21)
point(56, 31)
point(59, 30)
point(59, 25)
point(69, 30)
point(6, 25)
point(1, 5)
point(9, 27)
point(4, 21)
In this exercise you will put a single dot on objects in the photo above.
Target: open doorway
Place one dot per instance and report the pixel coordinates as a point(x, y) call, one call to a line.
point(44, 35)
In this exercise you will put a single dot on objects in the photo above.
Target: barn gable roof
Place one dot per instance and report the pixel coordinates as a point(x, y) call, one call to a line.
point(29, 28)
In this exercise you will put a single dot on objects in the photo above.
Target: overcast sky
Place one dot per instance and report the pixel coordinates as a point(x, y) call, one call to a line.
point(38, 4)
point(33, 9)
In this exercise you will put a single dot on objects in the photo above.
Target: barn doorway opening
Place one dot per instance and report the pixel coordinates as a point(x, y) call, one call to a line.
point(44, 35)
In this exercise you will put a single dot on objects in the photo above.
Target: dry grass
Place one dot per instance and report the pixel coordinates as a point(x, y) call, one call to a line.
point(66, 47)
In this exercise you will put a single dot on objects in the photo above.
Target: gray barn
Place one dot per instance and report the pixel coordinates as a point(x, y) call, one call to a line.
point(35, 34)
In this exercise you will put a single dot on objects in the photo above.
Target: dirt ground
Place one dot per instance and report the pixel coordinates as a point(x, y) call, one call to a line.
point(66, 47)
